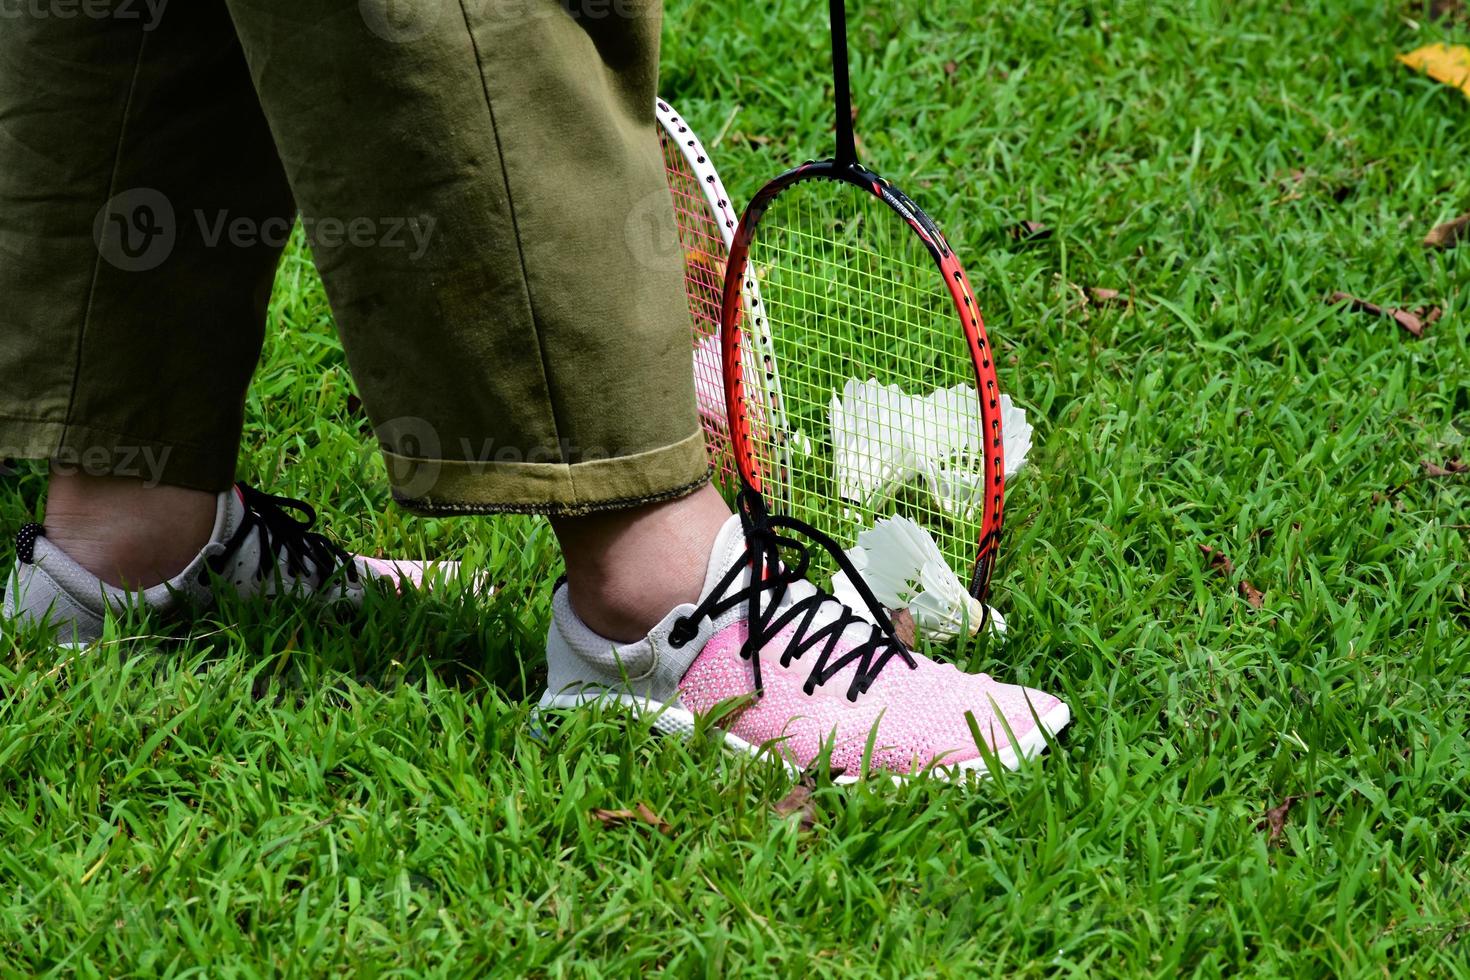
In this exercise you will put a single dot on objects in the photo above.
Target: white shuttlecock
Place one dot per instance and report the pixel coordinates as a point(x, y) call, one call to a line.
point(872, 448)
point(903, 567)
point(949, 444)
point(883, 438)
point(1015, 435)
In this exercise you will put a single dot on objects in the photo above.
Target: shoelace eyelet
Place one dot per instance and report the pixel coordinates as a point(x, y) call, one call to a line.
point(768, 573)
point(284, 538)
point(682, 633)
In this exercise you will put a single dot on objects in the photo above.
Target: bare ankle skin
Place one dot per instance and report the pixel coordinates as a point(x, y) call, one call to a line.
point(627, 569)
point(128, 533)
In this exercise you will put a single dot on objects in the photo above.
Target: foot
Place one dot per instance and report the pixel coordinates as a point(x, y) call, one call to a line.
point(627, 568)
point(128, 533)
point(257, 547)
point(817, 674)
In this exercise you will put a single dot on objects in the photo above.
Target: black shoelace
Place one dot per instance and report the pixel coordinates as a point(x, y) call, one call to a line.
point(284, 538)
point(768, 576)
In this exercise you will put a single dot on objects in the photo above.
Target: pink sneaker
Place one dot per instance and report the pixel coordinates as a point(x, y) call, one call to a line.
point(823, 675)
point(259, 547)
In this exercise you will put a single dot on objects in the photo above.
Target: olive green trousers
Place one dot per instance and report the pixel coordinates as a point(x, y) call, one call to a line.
point(482, 189)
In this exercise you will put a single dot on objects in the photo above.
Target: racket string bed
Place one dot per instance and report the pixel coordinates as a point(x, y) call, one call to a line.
point(843, 290)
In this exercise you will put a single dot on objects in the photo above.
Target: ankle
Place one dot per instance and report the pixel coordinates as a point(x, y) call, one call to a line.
point(128, 534)
point(623, 618)
point(627, 569)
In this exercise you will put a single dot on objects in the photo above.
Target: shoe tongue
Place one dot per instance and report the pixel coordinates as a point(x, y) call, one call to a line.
point(228, 513)
point(729, 547)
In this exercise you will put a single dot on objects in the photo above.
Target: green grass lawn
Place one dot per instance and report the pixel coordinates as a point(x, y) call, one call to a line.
point(280, 792)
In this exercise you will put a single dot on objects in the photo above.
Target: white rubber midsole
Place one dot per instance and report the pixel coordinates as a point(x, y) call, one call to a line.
point(673, 720)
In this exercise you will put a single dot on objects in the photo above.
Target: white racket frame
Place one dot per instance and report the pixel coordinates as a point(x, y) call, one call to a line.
point(677, 131)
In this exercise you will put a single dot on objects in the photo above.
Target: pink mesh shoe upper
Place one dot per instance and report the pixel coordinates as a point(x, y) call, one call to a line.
point(919, 712)
point(397, 571)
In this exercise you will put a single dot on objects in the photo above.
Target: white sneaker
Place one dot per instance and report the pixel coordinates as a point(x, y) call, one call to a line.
point(819, 676)
point(257, 548)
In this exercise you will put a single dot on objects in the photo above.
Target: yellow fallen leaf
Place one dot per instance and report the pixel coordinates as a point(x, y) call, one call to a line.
point(1448, 63)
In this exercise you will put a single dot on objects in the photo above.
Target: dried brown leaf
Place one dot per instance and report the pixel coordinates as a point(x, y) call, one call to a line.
point(641, 814)
point(1219, 561)
point(646, 814)
point(1449, 234)
point(1273, 821)
point(1412, 321)
point(1355, 304)
point(1451, 467)
point(904, 627)
point(799, 801)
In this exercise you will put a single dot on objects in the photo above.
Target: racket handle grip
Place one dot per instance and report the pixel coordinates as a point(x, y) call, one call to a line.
point(980, 580)
point(841, 89)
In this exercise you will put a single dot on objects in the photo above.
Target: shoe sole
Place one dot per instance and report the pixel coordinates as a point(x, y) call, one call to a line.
point(671, 720)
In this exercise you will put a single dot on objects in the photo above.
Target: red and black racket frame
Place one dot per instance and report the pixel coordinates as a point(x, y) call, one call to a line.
point(986, 386)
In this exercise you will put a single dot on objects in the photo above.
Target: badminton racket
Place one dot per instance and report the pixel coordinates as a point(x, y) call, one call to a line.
point(885, 371)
